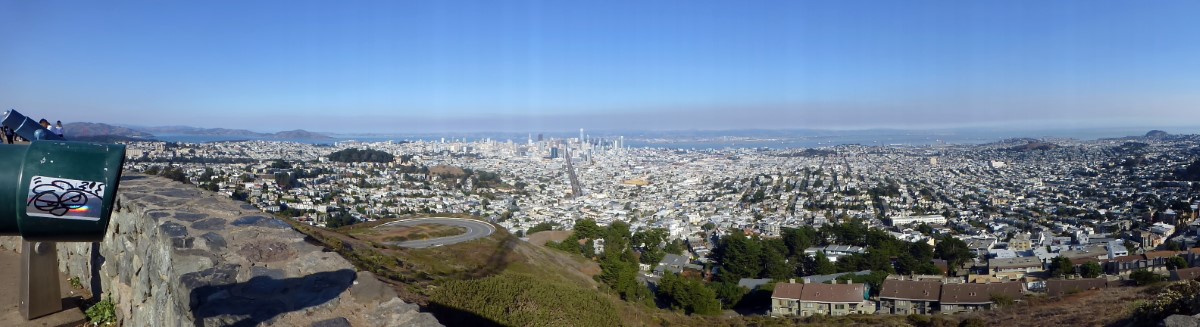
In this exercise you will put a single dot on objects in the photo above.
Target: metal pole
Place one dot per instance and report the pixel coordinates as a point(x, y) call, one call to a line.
point(40, 295)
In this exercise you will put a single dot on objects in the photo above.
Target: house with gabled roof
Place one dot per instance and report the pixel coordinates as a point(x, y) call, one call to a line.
point(820, 299)
point(956, 298)
point(1152, 261)
point(903, 297)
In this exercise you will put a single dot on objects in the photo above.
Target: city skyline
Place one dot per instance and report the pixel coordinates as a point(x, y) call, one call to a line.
point(383, 67)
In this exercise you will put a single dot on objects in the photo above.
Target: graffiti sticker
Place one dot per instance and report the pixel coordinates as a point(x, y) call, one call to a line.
point(61, 198)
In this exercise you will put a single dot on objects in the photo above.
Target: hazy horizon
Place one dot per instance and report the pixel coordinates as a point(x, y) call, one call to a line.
point(527, 66)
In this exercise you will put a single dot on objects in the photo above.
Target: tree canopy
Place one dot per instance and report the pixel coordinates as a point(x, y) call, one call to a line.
point(356, 155)
point(954, 251)
point(689, 295)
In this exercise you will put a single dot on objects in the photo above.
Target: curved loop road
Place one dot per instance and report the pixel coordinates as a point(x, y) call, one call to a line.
point(475, 230)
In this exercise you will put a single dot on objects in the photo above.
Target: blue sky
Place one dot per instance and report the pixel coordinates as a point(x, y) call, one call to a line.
point(421, 66)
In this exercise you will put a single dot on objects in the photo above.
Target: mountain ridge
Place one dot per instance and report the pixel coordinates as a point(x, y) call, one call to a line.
point(153, 131)
point(86, 129)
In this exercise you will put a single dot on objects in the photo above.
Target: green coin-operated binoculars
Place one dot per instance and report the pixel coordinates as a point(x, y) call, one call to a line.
point(53, 190)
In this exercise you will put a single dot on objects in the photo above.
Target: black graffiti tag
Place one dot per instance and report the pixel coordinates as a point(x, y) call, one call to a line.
point(58, 197)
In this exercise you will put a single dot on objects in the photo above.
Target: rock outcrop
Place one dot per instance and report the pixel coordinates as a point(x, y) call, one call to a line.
point(175, 255)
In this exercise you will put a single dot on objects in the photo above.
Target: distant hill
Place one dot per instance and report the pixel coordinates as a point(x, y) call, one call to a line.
point(1034, 145)
point(225, 132)
point(300, 134)
point(188, 130)
point(91, 130)
point(1157, 134)
point(109, 138)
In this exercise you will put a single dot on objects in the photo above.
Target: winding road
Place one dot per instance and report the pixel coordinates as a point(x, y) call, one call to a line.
point(475, 229)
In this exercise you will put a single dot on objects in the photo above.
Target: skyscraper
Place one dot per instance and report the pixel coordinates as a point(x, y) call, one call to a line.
point(580, 135)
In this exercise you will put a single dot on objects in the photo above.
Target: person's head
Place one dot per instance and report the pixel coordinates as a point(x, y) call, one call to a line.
point(44, 122)
point(58, 123)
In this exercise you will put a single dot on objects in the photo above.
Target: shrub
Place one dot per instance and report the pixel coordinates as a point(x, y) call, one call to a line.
point(1145, 277)
point(973, 322)
point(1182, 297)
point(103, 313)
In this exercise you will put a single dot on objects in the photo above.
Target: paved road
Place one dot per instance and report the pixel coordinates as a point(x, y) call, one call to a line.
point(475, 229)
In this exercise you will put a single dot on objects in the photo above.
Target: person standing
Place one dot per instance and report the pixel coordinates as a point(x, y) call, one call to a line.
point(8, 134)
point(57, 129)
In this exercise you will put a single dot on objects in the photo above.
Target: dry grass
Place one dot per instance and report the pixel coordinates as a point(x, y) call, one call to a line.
point(1107, 307)
point(406, 233)
point(540, 238)
point(447, 170)
point(501, 252)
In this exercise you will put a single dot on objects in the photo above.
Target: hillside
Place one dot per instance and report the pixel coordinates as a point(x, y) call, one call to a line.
point(298, 134)
point(459, 282)
point(75, 130)
point(1034, 145)
point(188, 130)
point(1107, 307)
point(1157, 134)
point(501, 280)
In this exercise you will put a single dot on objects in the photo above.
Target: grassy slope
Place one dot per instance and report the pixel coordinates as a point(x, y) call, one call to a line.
point(503, 280)
point(1107, 307)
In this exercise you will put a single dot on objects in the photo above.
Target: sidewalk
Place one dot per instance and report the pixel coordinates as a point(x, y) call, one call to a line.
point(10, 311)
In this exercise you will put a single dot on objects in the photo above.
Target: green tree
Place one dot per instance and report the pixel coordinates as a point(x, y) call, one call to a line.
point(280, 164)
point(729, 293)
point(650, 238)
point(774, 265)
point(954, 251)
point(356, 155)
point(652, 256)
point(619, 271)
point(1145, 277)
point(925, 229)
point(587, 229)
point(1176, 262)
point(618, 235)
point(338, 219)
point(240, 195)
point(540, 227)
point(798, 239)
point(823, 266)
point(286, 181)
point(688, 295)
point(1091, 269)
point(739, 255)
point(675, 247)
point(206, 176)
point(1061, 266)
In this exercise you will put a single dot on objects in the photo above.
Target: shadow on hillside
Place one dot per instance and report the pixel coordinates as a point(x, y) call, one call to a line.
point(132, 177)
point(260, 299)
point(497, 262)
point(452, 317)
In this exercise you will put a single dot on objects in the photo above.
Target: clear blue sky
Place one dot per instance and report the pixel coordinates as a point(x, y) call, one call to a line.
point(406, 66)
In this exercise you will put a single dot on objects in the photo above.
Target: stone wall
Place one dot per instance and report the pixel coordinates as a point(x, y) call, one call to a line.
point(176, 255)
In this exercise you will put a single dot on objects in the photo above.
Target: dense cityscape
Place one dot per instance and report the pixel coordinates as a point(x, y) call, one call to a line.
point(1115, 209)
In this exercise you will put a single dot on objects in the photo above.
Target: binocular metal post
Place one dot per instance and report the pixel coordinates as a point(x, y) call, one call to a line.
point(53, 191)
point(40, 294)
